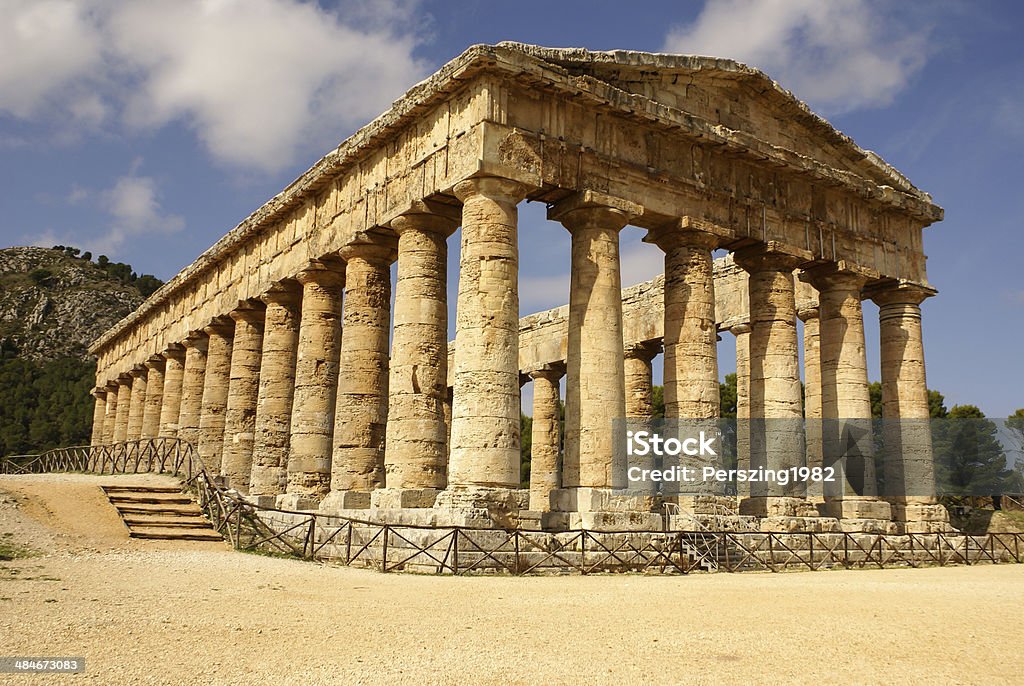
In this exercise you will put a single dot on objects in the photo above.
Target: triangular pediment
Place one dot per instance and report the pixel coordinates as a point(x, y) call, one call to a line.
point(729, 94)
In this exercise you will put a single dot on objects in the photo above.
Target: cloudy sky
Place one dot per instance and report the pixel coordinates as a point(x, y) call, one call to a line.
point(146, 130)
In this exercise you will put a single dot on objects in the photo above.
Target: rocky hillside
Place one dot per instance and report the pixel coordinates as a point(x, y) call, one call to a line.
point(53, 304)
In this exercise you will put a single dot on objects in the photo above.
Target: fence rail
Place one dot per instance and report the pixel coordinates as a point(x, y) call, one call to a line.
point(389, 547)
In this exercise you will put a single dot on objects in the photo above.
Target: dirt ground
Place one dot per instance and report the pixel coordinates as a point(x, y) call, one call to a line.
point(145, 612)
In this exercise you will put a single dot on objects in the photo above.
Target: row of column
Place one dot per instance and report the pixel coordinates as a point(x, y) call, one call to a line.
point(260, 393)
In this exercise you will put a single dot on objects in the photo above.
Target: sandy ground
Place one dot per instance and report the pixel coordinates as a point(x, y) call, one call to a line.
point(199, 613)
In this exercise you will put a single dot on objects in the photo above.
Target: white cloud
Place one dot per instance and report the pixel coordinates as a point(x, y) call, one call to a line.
point(837, 54)
point(135, 210)
point(258, 81)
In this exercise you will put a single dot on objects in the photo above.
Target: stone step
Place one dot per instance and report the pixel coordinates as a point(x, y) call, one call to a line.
point(188, 510)
point(142, 489)
point(150, 500)
point(175, 534)
point(185, 522)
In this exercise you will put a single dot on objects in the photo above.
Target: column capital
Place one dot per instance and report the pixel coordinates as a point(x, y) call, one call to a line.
point(220, 326)
point(899, 293)
point(551, 370)
point(689, 231)
point(587, 209)
point(137, 372)
point(327, 271)
point(156, 362)
point(174, 351)
point(111, 387)
point(379, 250)
point(285, 292)
point(493, 187)
point(808, 312)
point(249, 311)
point(739, 329)
point(124, 379)
point(770, 256)
point(99, 392)
point(642, 350)
point(196, 339)
point(428, 216)
point(841, 275)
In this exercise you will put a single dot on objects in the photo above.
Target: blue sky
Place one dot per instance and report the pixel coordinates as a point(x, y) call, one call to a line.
point(145, 131)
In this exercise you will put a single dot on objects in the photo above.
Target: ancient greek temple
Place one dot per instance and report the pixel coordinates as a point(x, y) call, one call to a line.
point(277, 353)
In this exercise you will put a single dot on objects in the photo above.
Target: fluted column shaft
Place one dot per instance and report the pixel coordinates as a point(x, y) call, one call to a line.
point(316, 380)
point(362, 407)
point(812, 391)
point(485, 408)
point(595, 391)
point(240, 411)
point(639, 379)
point(544, 468)
point(174, 376)
point(215, 394)
point(99, 413)
point(137, 408)
point(691, 351)
point(774, 369)
point(416, 455)
point(192, 382)
point(110, 416)
point(909, 466)
point(154, 398)
point(269, 474)
point(124, 402)
point(742, 334)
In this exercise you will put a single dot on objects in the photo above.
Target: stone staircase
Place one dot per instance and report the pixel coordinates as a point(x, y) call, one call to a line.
point(160, 513)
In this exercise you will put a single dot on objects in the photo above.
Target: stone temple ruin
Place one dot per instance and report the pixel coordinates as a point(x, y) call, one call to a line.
point(270, 353)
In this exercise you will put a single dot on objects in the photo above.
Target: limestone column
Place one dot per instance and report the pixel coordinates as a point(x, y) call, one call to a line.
point(110, 417)
point(776, 431)
point(192, 382)
point(99, 412)
point(269, 476)
point(909, 466)
point(240, 411)
point(174, 375)
point(742, 334)
point(485, 407)
point(316, 384)
point(845, 398)
point(595, 392)
point(215, 393)
point(812, 394)
point(124, 401)
point(691, 351)
point(154, 397)
point(417, 447)
point(360, 420)
point(137, 409)
point(544, 467)
point(639, 382)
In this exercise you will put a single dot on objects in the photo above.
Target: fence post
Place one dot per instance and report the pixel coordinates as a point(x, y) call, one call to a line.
point(384, 552)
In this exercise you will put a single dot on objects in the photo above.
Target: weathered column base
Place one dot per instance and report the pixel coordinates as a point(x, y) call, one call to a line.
point(345, 500)
point(612, 509)
point(922, 518)
point(395, 498)
point(483, 506)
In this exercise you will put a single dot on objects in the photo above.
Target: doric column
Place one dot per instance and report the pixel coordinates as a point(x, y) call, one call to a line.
point(909, 464)
point(544, 471)
point(812, 392)
point(742, 334)
point(99, 412)
point(691, 351)
point(192, 382)
point(845, 398)
point(124, 402)
point(777, 443)
point(110, 416)
point(639, 382)
point(360, 420)
point(240, 411)
point(316, 383)
point(416, 458)
point(269, 476)
point(595, 392)
point(174, 375)
point(154, 397)
point(215, 393)
point(485, 408)
point(137, 408)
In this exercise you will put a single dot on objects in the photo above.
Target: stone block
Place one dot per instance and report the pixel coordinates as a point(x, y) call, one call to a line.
point(297, 501)
point(615, 521)
point(389, 498)
point(345, 500)
point(586, 499)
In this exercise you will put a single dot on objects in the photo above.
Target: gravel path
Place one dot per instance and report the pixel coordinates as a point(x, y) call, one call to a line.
point(156, 613)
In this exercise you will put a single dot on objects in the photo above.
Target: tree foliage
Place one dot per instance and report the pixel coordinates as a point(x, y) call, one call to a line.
point(43, 405)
